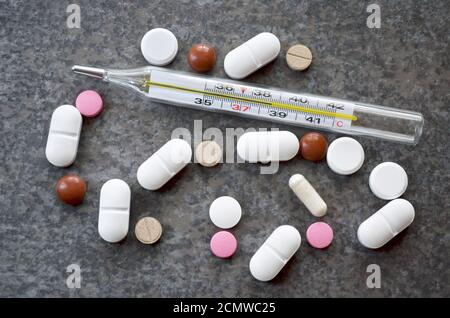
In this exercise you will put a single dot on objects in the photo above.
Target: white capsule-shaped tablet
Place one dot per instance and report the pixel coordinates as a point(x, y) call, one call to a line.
point(114, 210)
point(276, 251)
point(266, 146)
point(63, 136)
point(164, 164)
point(308, 195)
point(251, 55)
point(386, 223)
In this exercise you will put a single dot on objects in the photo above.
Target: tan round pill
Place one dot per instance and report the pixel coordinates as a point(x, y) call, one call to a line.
point(208, 153)
point(298, 57)
point(148, 230)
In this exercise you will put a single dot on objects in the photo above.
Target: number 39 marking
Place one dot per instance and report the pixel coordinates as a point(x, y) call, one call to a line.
point(275, 113)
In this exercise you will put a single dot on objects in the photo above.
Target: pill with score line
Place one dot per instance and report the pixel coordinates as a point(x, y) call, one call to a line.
point(298, 57)
point(157, 170)
point(276, 251)
point(114, 210)
point(386, 223)
point(252, 55)
point(63, 136)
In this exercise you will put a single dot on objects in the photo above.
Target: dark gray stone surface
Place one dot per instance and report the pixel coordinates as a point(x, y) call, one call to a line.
point(403, 64)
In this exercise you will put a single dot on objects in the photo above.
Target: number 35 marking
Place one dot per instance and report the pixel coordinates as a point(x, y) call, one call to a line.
point(201, 101)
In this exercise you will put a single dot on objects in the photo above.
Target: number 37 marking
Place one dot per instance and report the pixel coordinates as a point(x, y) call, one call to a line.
point(240, 108)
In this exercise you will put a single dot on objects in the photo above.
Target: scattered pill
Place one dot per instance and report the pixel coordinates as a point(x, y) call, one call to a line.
point(208, 153)
point(148, 230)
point(313, 146)
point(159, 46)
point(308, 195)
point(71, 189)
point(225, 212)
point(252, 55)
point(298, 57)
point(266, 146)
point(386, 223)
point(114, 210)
point(345, 156)
point(388, 181)
point(202, 57)
point(164, 164)
point(223, 244)
point(276, 251)
point(319, 235)
point(89, 103)
point(63, 136)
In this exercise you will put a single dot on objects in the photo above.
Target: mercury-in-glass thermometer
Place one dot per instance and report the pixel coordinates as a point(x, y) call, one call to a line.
point(232, 97)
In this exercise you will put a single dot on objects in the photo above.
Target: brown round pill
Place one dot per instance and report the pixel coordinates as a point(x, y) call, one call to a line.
point(313, 146)
point(202, 57)
point(298, 57)
point(148, 230)
point(71, 189)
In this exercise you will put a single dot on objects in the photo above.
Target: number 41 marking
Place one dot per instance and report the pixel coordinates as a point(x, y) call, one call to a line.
point(313, 120)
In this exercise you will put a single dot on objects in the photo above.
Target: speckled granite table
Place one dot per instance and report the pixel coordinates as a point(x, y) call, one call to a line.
point(403, 64)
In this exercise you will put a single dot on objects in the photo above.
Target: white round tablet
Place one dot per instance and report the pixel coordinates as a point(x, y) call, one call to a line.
point(345, 156)
point(225, 212)
point(388, 181)
point(159, 46)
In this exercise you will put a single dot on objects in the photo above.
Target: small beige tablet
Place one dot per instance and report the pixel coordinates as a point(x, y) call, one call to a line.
point(208, 153)
point(148, 230)
point(298, 57)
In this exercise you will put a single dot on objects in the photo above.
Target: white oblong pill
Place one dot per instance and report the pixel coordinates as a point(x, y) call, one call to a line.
point(173, 156)
point(345, 156)
point(114, 210)
point(225, 212)
point(388, 180)
point(276, 251)
point(63, 136)
point(266, 146)
point(308, 195)
point(386, 223)
point(251, 55)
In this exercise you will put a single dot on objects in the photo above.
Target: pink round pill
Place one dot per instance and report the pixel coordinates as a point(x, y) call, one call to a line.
point(223, 244)
point(319, 235)
point(89, 103)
